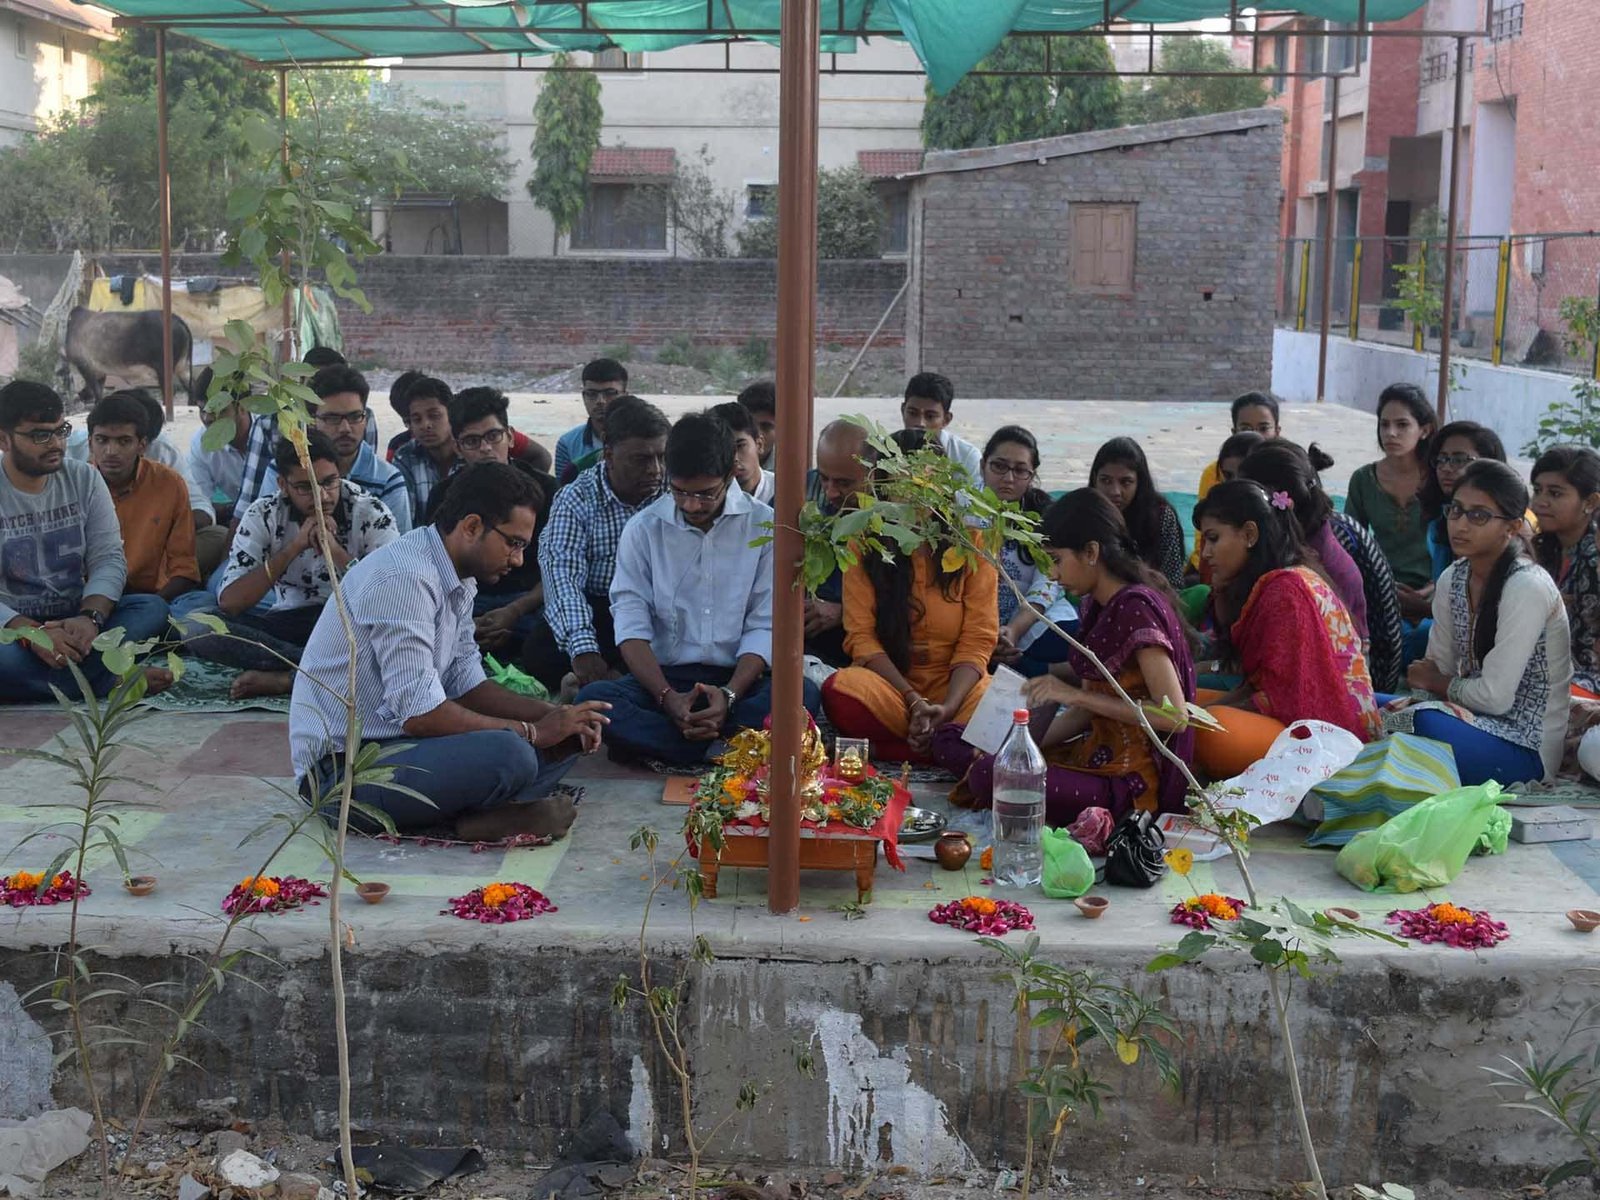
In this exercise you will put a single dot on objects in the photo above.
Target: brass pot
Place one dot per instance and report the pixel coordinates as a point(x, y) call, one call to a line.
point(952, 850)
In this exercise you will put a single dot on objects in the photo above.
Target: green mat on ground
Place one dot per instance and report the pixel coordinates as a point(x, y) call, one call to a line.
point(1564, 790)
point(204, 689)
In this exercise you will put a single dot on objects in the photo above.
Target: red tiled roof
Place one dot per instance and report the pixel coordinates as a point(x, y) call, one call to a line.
point(631, 162)
point(886, 164)
point(83, 17)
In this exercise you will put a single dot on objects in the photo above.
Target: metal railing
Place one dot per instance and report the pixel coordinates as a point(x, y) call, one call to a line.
point(1509, 293)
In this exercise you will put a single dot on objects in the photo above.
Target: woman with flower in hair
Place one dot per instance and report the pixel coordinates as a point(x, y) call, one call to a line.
point(1282, 624)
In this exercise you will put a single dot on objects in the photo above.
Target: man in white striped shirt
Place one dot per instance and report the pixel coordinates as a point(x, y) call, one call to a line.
point(485, 757)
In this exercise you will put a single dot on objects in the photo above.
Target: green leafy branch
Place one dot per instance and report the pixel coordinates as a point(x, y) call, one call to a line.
point(1562, 1086)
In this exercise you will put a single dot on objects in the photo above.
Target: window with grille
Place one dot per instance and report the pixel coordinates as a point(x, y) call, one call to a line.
point(760, 201)
point(616, 60)
point(1507, 22)
point(896, 219)
point(622, 216)
point(1102, 248)
point(1280, 63)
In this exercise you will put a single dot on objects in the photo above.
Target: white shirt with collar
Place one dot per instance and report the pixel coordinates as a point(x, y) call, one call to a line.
point(697, 598)
point(957, 449)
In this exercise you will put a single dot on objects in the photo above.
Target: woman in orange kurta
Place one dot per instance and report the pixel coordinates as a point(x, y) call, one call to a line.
point(920, 639)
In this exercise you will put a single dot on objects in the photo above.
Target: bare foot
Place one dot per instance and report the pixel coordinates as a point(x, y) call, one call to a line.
point(262, 683)
point(550, 817)
point(156, 679)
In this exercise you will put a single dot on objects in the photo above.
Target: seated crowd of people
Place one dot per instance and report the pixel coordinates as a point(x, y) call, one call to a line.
point(620, 573)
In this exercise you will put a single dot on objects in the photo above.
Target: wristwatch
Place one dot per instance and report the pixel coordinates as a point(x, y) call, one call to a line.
point(727, 694)
point(99, 621)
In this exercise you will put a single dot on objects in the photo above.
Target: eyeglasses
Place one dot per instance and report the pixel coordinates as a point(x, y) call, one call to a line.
point(1473, 516)
point(1014, 470)
point(514, 544)
point(43, 437)
point(1457, 461)
point(710, 496)
point(476, 441)
point(593, 394)
point(335, 420)
point(303, 489)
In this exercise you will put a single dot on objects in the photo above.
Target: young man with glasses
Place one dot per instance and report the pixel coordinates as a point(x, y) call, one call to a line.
point(277, 556)
point(504, 610)
point(604, 380)
point(62, 566)
point(692, 605)
point(465, 752)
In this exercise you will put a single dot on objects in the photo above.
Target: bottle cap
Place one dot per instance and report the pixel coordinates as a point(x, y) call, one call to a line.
point(1019, 716)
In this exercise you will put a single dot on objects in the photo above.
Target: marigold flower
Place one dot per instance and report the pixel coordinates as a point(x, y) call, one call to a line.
point(259, 885)
point(1180, 860)
point(24, 880)
point(1450, 914)
point(497, 894)
point(734, 787)
point(986, 859)
point(981, 905)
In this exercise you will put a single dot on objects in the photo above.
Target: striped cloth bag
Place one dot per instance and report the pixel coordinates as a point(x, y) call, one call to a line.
point(1386, 778)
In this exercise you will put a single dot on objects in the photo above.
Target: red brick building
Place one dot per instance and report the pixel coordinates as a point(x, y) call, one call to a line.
point(1531, 157)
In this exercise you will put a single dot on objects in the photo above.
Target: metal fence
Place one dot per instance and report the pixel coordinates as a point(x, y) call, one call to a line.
point(1508, 292)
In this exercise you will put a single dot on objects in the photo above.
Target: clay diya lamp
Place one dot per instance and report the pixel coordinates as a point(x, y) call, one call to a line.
point(1584, 920)
point(1092, 907)
point(139, 885)
point(372, 891)
point(1348, 916)
point(952, 850)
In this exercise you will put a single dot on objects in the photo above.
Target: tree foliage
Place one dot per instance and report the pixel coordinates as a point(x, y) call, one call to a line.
point(702, 213)
point(215, 79)
point(990, 110)
point(850, 218)
point(566, 132)
point(1171, 96)
point(51, 199)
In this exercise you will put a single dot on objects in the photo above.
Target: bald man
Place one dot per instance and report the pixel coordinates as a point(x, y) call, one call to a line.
point(840, 473)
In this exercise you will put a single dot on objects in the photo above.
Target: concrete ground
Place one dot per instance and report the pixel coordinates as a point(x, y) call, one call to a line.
point(507, 1035)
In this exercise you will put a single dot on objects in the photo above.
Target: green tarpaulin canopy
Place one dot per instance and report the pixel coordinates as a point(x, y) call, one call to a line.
point(949, 36)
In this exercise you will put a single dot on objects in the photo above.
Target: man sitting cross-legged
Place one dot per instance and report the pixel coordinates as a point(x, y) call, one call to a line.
point(578, 553)
point(152, 501)
point(62, 566)
point(484, 756)
point(277, 554)
point(692, 605)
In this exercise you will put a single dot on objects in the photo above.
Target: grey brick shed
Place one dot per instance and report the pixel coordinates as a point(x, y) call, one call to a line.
point(992, 302)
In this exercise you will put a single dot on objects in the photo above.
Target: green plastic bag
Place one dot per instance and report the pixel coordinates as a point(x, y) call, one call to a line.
point(1068, 873)
point(1427, 845)
point(513, 679)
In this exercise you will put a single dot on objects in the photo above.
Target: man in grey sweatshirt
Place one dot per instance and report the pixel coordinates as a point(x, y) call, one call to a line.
point(62, 567)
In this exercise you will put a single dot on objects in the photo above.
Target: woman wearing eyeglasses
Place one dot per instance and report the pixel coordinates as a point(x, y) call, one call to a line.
point(1010, 469)
point(1496, 678)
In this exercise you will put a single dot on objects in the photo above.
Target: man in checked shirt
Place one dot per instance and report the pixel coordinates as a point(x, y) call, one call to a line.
point(578, 553)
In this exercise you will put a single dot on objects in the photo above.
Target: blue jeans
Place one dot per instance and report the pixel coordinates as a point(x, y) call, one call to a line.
point(1047, 649)
point(461, 773)
point(24, 679)
point(1480, 755)
point(639, 727)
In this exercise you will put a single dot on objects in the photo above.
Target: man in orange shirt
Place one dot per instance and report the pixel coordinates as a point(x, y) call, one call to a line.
point(152, 500)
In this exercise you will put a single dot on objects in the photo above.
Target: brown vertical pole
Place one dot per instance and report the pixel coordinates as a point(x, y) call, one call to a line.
point(287, 344)
point(1331, 213)
point(797, 315)
point(164, 201)
point(1447, 309)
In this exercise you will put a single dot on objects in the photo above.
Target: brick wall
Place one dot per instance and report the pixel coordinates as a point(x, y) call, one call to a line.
point(547, 313)
point(991, 304)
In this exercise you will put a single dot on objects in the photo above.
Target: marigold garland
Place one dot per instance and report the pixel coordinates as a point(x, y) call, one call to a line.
point(980, 914)
point(1464, 928)
point(1197, 912)
point(20, 889)
point(270, 894)
point(499, 903)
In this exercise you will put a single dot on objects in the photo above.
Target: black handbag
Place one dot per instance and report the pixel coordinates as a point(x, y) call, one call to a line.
point(1134, 851)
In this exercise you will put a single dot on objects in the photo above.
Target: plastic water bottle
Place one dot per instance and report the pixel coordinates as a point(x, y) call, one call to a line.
point(1019, 780)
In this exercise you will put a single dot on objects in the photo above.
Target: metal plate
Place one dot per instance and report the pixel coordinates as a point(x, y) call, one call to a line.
point(922, 825)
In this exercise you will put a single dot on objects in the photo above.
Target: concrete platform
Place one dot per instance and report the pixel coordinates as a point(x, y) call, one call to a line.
point(507, 1035)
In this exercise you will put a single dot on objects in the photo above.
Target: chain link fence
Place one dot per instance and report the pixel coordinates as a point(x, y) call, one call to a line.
point(1513, 295)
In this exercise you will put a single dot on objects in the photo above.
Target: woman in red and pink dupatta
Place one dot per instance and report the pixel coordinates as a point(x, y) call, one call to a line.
point(1097, 754)
point(1280, 620)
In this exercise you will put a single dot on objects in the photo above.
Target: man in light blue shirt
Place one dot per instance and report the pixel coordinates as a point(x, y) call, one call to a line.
point(484, 757)
point(691, 601)
point(604, 380)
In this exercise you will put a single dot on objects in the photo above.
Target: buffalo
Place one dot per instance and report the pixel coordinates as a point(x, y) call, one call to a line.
point(110, 343)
